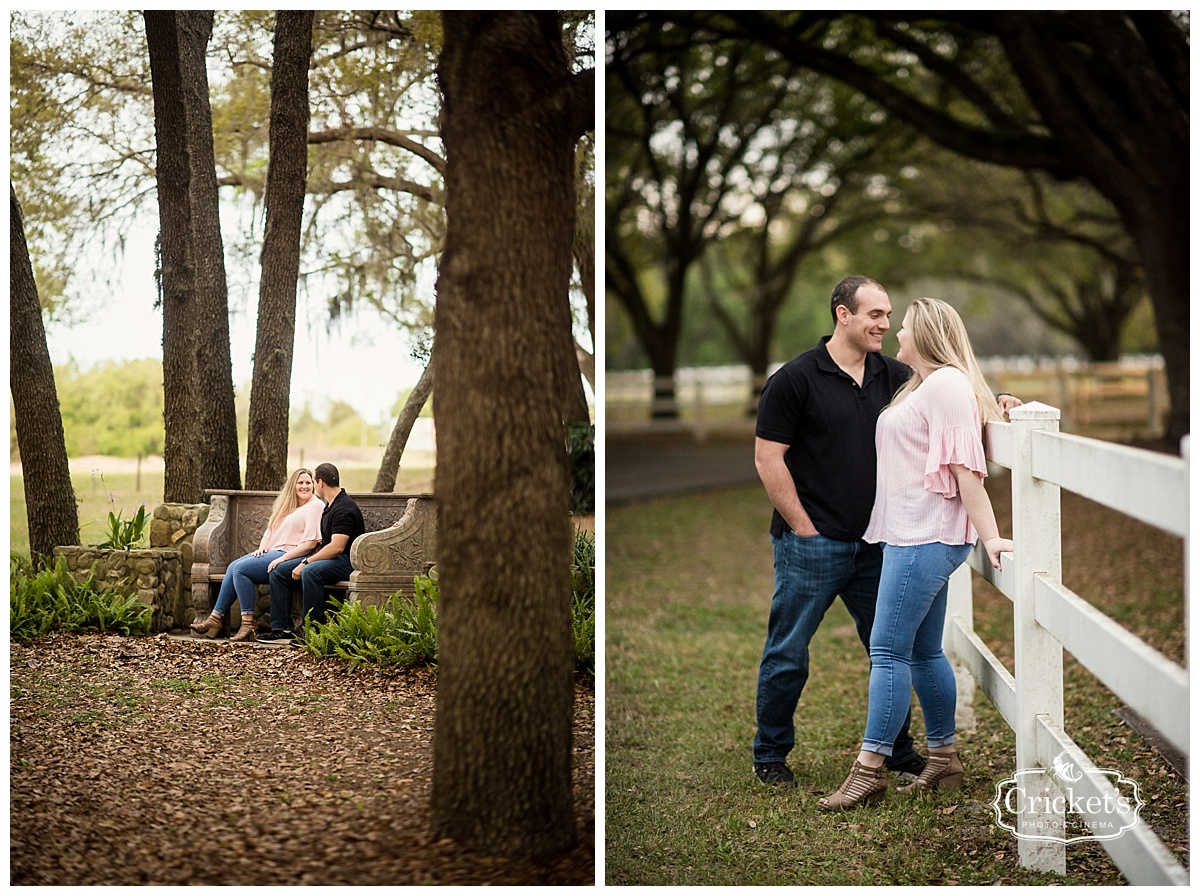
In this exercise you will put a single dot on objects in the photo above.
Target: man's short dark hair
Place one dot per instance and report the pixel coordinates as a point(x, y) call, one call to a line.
point(328, 474)
point(846, 293)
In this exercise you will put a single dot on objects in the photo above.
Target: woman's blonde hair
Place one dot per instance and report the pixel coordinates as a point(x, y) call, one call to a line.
point(938, 338)
point(285, 501)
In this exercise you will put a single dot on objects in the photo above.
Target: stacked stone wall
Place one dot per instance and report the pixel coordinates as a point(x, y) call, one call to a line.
point(173, 527)
point(152, 575)
point(160, 575)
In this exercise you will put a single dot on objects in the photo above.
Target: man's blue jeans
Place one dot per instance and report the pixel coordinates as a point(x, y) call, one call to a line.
point(809, 574)
point(906, 644)
point(313, 579)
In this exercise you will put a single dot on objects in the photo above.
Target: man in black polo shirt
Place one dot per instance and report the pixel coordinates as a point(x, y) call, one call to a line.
point(341, 523)
point(815, 454)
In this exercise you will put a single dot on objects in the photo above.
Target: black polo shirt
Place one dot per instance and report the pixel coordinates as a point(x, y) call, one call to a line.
point(342, 517)
point(816, 408)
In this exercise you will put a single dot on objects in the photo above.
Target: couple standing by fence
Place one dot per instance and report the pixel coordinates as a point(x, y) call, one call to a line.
point(875, 467)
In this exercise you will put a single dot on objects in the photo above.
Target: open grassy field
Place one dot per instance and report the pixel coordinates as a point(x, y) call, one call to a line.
point(129, 489)
point(688, 585)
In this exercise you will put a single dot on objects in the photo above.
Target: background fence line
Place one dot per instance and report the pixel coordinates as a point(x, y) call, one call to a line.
point(1120, 399)
point(1048, 617)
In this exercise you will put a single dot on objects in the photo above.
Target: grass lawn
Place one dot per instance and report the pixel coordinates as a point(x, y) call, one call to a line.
point(688, 585)
point(129, 490)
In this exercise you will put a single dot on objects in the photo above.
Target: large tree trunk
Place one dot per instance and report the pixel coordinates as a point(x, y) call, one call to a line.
point(502, 742)
point(218, 443)
point(1161, 233)
point(271, 386)
point(182, 482)
point(1139, 161)
point(45, 472)
point(385, 480)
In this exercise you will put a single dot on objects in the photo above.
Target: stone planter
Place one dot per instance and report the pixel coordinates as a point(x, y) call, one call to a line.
point(154, 576)
point(173, 527)
point(160, 575)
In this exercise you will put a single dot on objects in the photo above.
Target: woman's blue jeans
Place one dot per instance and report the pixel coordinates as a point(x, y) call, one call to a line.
point(240, 578)
point(906, 644)
point(810, 573)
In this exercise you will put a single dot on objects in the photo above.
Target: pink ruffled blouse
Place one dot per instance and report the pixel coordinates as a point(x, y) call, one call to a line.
point(302, 524)
point(916, 494)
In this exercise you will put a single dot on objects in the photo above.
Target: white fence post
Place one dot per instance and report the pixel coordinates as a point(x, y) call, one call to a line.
point(1038, 656)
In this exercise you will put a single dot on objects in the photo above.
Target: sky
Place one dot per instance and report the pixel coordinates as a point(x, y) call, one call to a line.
point(363, 362)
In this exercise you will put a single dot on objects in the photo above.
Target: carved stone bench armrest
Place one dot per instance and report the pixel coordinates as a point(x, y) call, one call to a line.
point(210, 546)
point(405, 547)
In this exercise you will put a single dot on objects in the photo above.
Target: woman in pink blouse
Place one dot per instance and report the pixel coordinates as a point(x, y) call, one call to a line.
point(293, 530)
point(930, 507)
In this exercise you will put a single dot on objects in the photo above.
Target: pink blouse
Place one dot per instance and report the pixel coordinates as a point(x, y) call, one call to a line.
point(302, 524)
point(916, 494)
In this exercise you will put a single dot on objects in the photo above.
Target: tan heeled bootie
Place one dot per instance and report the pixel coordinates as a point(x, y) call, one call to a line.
point(209, 628)
point(246, 631)
point(943, 771)
point(862, 785)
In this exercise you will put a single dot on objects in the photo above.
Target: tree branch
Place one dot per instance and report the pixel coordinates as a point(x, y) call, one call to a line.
point(399, 139)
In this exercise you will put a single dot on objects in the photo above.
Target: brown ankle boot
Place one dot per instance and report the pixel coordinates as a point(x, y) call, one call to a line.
point(862, 785)
point(943, 771)
point(246, 632)
point(209, 628)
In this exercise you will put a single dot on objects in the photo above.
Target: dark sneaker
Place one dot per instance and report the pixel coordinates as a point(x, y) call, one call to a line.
point(775, 774)
point(277, 635)
point(913, 765)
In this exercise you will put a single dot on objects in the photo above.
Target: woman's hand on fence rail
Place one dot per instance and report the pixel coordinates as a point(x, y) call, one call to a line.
point(995, 547)
point(1007, 402)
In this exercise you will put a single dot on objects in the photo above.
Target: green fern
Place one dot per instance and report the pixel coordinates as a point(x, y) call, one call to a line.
point(51, 599)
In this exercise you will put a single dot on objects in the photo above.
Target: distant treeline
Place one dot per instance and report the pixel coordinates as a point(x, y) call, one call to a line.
point(116, 408)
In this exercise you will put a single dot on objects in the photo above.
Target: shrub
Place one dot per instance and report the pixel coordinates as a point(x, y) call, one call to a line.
point(403, 632)
point(51, 599)
point(400, 634)
point(581, 449)
point(583, 602)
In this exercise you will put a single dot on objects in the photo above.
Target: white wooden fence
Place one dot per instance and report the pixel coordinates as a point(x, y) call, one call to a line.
point(1048, 618)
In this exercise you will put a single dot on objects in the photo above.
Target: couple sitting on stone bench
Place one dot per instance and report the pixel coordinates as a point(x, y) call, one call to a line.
point(312, 526)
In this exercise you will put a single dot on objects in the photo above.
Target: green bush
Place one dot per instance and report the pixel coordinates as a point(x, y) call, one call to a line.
point(51, 599)
point(400, 634)
point(403, 632)
point(583, 602)
point(581, 449)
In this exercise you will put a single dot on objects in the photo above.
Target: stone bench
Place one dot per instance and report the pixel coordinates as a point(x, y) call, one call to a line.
point(400, 543)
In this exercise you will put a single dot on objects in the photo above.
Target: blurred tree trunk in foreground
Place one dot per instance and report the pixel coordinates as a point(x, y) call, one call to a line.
point(511, 115)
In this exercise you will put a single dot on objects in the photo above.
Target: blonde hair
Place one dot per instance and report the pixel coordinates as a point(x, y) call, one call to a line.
point(285, 501)
point(938, 338)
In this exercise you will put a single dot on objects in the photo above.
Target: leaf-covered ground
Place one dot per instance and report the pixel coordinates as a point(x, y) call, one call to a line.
point(169, 761)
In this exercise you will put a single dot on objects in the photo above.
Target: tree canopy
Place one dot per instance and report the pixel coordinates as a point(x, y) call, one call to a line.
point(1056, 95)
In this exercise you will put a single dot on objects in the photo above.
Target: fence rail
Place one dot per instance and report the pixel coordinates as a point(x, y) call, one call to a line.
point(1118, 399)
point(1048, 617)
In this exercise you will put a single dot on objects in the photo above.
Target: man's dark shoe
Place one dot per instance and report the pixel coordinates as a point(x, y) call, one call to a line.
point(277, 635)
point(913, 765)
point(775, 774)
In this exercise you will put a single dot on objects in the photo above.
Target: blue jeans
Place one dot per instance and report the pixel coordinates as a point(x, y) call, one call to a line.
point(809, 574)
point(240, 577)
point(906, 644)
point(313, 579)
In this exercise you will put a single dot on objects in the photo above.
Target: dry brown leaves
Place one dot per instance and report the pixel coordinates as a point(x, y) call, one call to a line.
point(169, 761)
